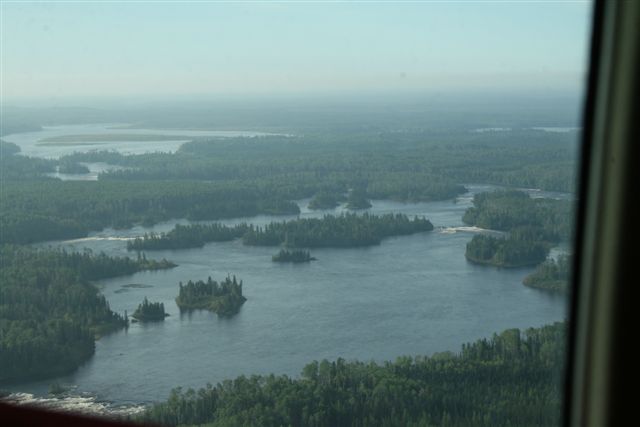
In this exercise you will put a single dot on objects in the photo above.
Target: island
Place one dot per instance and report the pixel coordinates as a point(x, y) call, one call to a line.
point(224, 298)
point(295, 257)
point(506, 252)
point(330, 231)
point(324, 200)
point(357, 200)
point(552, 275)
point(187, 236)
point(149, 311)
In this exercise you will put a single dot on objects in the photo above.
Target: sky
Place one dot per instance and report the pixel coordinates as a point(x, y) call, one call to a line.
point(71, 49)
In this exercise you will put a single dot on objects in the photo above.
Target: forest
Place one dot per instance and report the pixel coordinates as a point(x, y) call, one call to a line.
point(50, 314)
point(533, 226)
point(511, 379)
point(509, 210)
point(149, 311)
point(552, 275)
point(343, 231)
point(506, 252)
point(187, 236)
point(224, 298)
point(296, 256)
point(215, 179)
point(34, 211)
point(325, 200)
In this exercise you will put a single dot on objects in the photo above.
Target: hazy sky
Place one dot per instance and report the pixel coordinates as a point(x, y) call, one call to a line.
point(125, 48)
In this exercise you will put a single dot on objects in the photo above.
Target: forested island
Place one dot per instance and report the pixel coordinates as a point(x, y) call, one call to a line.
point(149, 311)
point(187, 236)
point(296, 256)
point(50, 313)
point(533, 226)
point(506, 252)
point(324, 200)
point(512, 379)
point(552, 275)
point(346, 230)
point(224, 298)
point(357, 199)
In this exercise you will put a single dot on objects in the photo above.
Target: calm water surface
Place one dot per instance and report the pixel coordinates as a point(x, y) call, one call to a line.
point(410, 295)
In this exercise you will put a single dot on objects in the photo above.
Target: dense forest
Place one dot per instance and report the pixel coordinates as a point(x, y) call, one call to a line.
point(50, 314)
point(187, 236)
point(325, 200)
point(552, 275)
point(296, 256)
point(33, 211)
point(149, 311)
point(357, 199)
point(533, 226)
point(507, 210)
point(508, 252)
point(215, 179)
point(410, 166)
point(512, 379)
point(346, 230)
point(224, 298)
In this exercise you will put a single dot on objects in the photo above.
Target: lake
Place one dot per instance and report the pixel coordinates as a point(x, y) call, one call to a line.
point(411, 295)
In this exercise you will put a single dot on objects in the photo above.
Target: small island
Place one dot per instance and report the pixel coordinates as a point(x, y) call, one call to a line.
point(324, 200)
point(71, 167)
point(357, 200)
point(149, 311)
point(224, 298)
point(297, 256)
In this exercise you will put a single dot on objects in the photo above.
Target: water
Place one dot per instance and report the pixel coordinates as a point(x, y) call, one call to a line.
point(410, 295)
point(30, 143)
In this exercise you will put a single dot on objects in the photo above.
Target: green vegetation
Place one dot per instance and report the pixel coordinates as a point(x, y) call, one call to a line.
point(357, 200)
point(512, 379)
point(296, 256)
point(187, 236)
point(508, 210)
point(324, 200)
point(224, 298)
point(506, 252)
point(149, 311)
point(551, 275)
point(68, 166)
point(533, 227)
point(50, 314)
point(347, 230)
point(33, 211)
point(16, 167)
